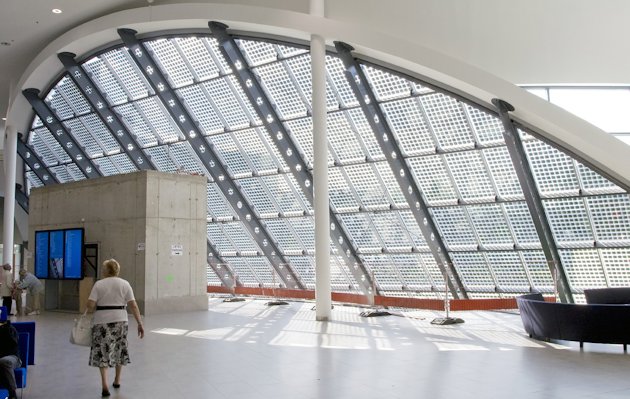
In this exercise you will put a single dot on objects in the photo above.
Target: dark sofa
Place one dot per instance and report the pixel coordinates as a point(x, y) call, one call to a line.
point(618, 295)
point(599, 323)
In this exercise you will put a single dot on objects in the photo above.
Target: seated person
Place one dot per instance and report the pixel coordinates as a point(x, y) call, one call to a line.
point(9, 354)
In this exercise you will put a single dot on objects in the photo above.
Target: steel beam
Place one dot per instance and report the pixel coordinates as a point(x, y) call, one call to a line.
point(287, 148)
point(32, 160)
point(208, 157)
point(110, 119)
point(21, 198)
point(220, 267)
point(61, 134)
point(532, 198)
point(387, 142)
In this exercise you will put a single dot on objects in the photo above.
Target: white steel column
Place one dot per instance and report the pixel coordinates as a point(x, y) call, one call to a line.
point(10, 155)
point(323, 300)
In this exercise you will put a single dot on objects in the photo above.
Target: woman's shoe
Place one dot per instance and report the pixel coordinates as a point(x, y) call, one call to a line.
point(105, 392)
point(116, 385)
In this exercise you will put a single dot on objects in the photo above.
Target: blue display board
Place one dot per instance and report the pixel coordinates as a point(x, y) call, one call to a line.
point(59, 254)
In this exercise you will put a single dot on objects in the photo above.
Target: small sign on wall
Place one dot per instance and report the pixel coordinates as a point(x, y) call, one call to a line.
point(177, 250)
point(140, 246)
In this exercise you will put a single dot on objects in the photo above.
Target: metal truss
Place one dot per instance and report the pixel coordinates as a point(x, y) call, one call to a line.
point(110, 119)
point(532, 198)
point(209, 158)
point(291, 155)
point(61, 134)
point(387, 142)
point(34, 162)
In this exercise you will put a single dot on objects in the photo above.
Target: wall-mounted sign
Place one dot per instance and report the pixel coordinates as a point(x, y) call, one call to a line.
point(140, 246)
point(177, 250)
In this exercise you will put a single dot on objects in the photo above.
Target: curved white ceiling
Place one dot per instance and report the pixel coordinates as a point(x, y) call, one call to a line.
point(552, 122)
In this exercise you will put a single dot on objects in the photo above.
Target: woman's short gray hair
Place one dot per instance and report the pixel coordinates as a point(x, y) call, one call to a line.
point(111, 268)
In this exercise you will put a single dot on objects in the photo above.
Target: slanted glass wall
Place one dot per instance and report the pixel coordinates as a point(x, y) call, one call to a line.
point(454, 149)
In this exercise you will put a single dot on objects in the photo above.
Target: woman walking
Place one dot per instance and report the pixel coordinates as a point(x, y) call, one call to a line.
point(108, 300)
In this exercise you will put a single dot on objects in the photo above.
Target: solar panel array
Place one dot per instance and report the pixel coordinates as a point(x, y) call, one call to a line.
point(455, 151)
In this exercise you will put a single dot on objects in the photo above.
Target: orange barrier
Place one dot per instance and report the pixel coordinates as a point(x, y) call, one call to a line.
point(379, 300)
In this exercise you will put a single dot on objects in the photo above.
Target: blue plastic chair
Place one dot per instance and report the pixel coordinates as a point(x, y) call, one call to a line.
point(20, 372)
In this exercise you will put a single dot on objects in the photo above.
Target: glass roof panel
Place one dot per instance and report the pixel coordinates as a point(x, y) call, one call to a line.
point(406, 122)
point(132, 80)
point(503, 173)
point(389, 180)
point(392, 230)
point(386, 276)
point(412, 271)
point(509, 271)
point(281, 90)
point(433, 180)
point(337, 77)
point(487, 127)
point(301, 131)
point(33, 181)
point(48, 141)
point(81, 133)
point(239, 236)
point(255, 193)
point(474, 271)
point(340, 279)
point(197, 57)
point(243, 272)
point(281, 232)
point(340, 194)
point(591, 181)
point(286, 51)
point(282, 194)
point(159, 119)
point(217, 204)
point(343, 139)
point(386, 86)
point(569, 221)
point(553, 171)
point(264, 271)
point(365, 133)
point(415, 234)
point(101, 134)
point(170, 61)
point(185, 158)
point(470, 175)
point(583, 268)
point(305, 268)
point(74, 172)
point(538, 270)
point(105, 166)
point(454, 227)
point(108, 83)
point(42, 150)
point(161, 158)
point(522, 224)
point(361, 230)
point(228, 106)
point(300, 67)
point(66, 100)
point(367, 185)
point(611, 218)
point(448, 122)
point(227, 149)
point(123, 163)
point(137, 125)
point(257, 52)
point(304, 229)
point(201, 109)
point(491, 225)
point(616, 266)
point(257, 151)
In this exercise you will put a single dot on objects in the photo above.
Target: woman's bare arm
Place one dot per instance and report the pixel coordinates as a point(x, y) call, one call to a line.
point(136, 314)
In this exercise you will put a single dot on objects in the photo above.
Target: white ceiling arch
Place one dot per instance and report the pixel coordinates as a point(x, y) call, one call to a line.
point(555, 124)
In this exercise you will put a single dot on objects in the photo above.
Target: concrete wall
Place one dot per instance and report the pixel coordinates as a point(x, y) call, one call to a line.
point(138, 219)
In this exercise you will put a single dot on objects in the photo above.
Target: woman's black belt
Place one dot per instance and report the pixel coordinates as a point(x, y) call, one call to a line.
point(109, 307)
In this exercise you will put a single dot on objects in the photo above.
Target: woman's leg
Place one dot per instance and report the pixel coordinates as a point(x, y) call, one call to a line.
point(103, 371)
point(118, 371)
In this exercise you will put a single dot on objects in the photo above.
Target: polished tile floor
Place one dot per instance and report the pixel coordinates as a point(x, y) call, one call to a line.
point(249, 350)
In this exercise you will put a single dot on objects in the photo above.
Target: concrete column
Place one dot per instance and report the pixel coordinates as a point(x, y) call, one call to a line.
point(321, 205)
point(10, 155)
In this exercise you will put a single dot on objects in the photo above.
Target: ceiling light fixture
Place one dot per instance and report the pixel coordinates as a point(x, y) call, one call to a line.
point(56, 11)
